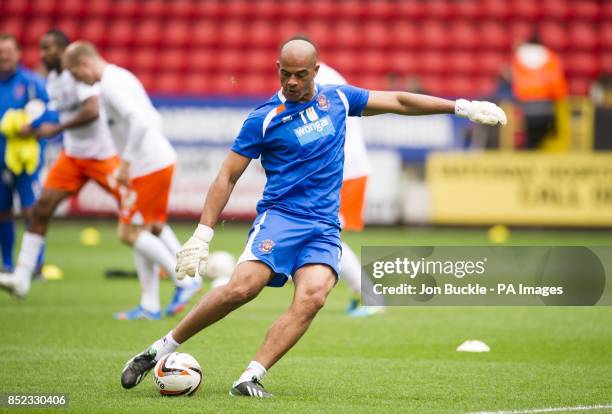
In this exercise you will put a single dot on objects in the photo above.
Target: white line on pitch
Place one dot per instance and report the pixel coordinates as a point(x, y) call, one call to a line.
point(550, 410)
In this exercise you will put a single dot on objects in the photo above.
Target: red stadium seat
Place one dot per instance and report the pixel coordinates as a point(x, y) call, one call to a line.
point(253, 84)
point(382, 9)
point(372, 82)
point(145, 60)
point(208, 10)
point(433, 62)
point(525, 9)
point(95, 30)
point(263, 33)
point(205, 33)
point(434, 34)
point(230, 61)
point(409, 10)
point(35, 29)
point(261, 61)
point(374, 62)
point(43, 8)
point(196, 83)
point(520, 31)
point(467, 9)
point(434, 85)
point(30, 57)
point(224, 84)
point(98, 9)
point(495, 9)
point(605, 35)
point(404, 35)
point(181, 9)
point(147, 79)
point(437, 9)
point(121, 33)
point(553, 35)
point(12, 26)
point(267, 9)
point(321, 32)
point(355, 9)
point(347, 34)
point(167, 82)
point(239, 9)
point(296, 9)
point(15, 9)
point(464, 35)
point(583, 36)
point(494, 35)
point(119, 56)
point(153, 9)
point(404, 63)
point(70, 27)
point(581, 64)
point(176, 33)
point(585, 9)
point(462, 86)
point(202, 60)
point(606, 11)
point(461, 62)
point(323, 9)
point(491, 63)
point(149, 33)
point(376, 34)
point(288, 28)
point(344, 61)
point(485, 87)
point(232, 33)
point(126, 9)
point(174, 60)
point(555, 9)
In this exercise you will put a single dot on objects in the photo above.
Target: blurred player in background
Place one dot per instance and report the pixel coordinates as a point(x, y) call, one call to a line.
point(299, 135)
point(143, 177)
point(352, 197)
point(23, 108)
point(538, 82)
point(89, 153)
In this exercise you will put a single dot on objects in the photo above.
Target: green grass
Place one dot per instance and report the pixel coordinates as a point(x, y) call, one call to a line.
point(63, 339)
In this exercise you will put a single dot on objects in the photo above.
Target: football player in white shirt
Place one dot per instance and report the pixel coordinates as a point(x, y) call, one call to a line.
point(89, 154)
point(143, 178)
point(352, 196)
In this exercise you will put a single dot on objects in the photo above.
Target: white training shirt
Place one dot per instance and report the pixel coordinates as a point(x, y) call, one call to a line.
point(89, 141)
point(135, 124)
point(355, 155)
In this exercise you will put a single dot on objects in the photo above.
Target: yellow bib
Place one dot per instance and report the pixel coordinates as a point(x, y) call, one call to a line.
point(22, 153)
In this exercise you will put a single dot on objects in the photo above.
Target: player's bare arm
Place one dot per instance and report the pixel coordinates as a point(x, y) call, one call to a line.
point(222, 187)
point(406, 103)
point(89, 112)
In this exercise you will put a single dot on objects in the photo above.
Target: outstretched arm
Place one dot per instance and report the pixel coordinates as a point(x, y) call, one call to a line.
point(406, 103)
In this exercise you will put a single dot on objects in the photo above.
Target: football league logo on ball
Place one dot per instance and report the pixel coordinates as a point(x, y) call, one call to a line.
point(322, 102)
point(266, 246)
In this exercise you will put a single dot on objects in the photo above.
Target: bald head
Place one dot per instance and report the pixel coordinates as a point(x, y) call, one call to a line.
point(297, 68)
point(79, 50)
point(298, 51)
point(84, 62)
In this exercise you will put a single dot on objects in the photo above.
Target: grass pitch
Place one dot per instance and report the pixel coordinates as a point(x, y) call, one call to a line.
point(62, 339)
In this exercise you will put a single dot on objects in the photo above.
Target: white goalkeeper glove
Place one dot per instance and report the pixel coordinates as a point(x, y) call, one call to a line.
point(481, 112)
point(193, 256)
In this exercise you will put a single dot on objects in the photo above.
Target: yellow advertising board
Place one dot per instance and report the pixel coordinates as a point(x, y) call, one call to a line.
point(521, 188)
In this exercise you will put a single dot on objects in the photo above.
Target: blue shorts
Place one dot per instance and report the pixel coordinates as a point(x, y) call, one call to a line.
point(26, 186)
point(286, 243)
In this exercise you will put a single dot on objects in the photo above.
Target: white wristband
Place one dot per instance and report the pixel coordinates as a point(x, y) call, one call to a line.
point(204, 233)
point(461, 107)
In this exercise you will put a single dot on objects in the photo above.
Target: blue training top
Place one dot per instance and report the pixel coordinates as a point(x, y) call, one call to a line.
point(302, 149)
